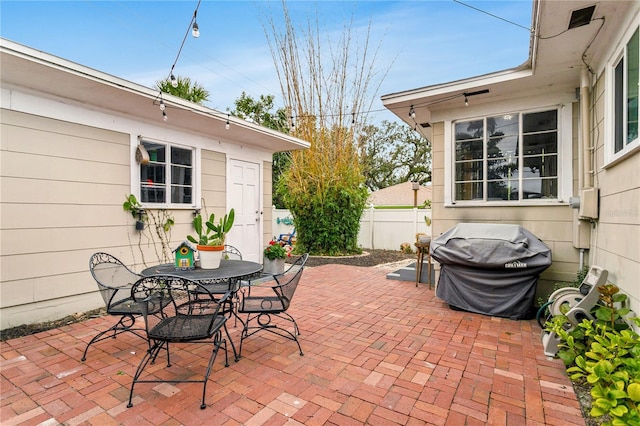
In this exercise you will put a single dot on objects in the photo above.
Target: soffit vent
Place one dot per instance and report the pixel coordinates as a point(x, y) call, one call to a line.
point(581, 17)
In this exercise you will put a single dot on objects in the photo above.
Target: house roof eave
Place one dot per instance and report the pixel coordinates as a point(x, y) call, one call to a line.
point(427, 98)
point(557, 55)
point(31, 70)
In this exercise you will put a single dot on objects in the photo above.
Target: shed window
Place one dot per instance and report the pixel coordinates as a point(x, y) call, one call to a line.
point(507, 157)
point(168, 176)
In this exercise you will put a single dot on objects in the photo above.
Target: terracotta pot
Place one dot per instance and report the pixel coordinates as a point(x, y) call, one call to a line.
point(210, 256)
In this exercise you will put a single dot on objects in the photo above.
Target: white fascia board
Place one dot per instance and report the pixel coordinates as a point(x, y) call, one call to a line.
point(77, 71)
point(457, 86)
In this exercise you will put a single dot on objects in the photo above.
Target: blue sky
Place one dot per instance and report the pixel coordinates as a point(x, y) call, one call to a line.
point(421, 42)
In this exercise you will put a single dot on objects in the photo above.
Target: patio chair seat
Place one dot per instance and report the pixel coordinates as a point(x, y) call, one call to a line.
point(124, 307)
point(267, 304)
point(186, 328)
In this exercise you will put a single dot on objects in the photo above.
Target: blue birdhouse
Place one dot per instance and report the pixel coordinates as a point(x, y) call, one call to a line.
point(185, 256)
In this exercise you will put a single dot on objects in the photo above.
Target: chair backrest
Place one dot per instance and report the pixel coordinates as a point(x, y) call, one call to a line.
point(166, 296)
point(288, 281)
point(114, 279)
point(287, 238)
point(230, 252)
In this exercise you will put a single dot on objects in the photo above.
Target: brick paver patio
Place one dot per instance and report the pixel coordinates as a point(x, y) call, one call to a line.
point(377, 351)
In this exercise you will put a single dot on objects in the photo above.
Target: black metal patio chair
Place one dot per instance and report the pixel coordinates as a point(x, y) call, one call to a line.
point(270, 300)
point(230, 252)
point(177, 310)
point(114, 281)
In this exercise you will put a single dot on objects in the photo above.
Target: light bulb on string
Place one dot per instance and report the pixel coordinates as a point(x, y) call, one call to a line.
point(466, 101)
point(164, 116)
point(162, 105)
point(412, 112)
point(174, 80)
point(226, 126)
point(195, 29)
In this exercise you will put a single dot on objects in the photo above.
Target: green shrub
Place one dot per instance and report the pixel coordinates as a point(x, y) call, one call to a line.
point(324, 190)
point(606, 353)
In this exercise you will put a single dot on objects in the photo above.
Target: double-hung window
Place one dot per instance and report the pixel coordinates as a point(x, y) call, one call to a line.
point(167, 178)
point(508, 157)
point(624, 86)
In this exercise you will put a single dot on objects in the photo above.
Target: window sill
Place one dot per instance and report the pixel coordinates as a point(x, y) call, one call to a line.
point(537, 203)
point(167, 207)
point(620, 157)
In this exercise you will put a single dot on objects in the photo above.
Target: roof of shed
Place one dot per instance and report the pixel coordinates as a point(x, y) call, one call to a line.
point(31, 70)
point(399, 195)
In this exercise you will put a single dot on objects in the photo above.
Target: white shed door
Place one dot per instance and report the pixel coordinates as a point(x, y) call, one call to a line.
point(244, 197)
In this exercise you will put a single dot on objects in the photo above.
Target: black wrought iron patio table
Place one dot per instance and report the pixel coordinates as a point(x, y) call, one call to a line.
point(226, 278)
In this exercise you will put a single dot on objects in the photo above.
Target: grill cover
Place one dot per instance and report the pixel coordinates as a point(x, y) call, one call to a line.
point(490, 268)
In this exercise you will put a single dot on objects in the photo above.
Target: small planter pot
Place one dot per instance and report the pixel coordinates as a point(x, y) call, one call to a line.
point(210, 256)
point(273, 267)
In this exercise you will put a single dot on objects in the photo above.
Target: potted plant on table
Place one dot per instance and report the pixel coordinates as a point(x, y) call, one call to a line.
point(210, 238)
point(274, 256)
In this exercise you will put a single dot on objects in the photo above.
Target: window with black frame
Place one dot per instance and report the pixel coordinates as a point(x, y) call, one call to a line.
point(167, 178)
point(507, 157)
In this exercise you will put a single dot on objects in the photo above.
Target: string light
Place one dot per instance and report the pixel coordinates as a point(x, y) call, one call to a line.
point(226, 126)
point(467, 95)
point(412, 112)
point(195, 32)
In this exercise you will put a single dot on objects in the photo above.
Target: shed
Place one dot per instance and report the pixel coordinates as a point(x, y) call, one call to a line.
point(68, 160)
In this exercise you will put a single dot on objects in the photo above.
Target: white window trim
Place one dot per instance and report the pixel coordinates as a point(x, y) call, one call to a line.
point(610, 156)
point(135, 175)
point(565, 162)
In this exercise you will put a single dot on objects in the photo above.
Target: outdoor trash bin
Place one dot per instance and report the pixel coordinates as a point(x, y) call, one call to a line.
point(490, 269)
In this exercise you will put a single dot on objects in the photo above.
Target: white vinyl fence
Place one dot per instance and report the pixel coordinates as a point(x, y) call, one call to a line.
point(384, 229)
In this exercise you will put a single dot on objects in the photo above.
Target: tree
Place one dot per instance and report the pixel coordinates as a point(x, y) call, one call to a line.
point(261, 112)
point(392, 154)
point(185, 89)
point(327, 94)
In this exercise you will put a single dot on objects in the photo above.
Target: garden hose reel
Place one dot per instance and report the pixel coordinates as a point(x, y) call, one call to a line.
point(575, 303)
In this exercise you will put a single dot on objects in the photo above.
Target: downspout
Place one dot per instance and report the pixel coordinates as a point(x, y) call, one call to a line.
point(585, 178)
point(585, 172)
